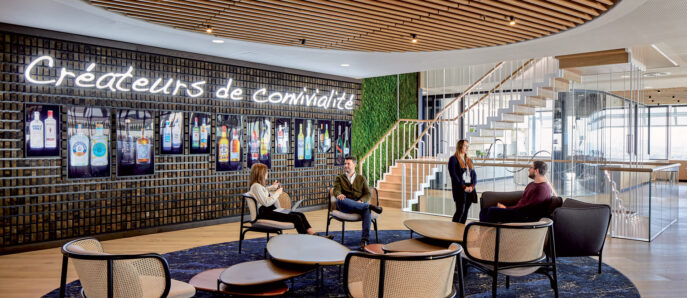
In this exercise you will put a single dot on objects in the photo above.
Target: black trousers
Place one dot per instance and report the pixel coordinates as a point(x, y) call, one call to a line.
point(296, 218)
point(462, 205)
point(502, 215)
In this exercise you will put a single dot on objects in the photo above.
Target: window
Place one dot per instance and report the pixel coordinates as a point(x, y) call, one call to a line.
point(658, 132)
point(678, 129)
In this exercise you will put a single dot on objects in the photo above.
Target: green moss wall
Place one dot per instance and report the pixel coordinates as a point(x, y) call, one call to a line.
point(377, 112)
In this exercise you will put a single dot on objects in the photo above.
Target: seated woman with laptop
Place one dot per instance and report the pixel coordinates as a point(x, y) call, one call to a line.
point(268, 201)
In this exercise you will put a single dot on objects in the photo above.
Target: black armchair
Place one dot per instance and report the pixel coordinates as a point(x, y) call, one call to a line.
point(490, 198)
point(581, 229)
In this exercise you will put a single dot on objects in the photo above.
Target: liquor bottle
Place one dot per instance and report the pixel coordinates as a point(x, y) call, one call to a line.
point(167, 137)
point(223, 146)
point(346, 143)
point(254, 142)
point(321, 143)
point(195, 134)
point(280, 139)
point(308, 143)
point(339, 143)
point(78, 148)
point(36, 131)
point(204, 135)
point(285, 141)
point(264, 141)
point(128, 147)
point(143, 148)
point(99, 154)
point(176, 134)
point(235, 154)
point(50, 131)
point(300, 146)
point(327, 140)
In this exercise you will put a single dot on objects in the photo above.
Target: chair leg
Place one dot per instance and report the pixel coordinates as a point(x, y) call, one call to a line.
point(328, 221)
point(376, 234)
point(493, 284)
point(599, 263)
point(507, 282)
point(63, 276)
point(343, 229)
point(243, 234)
point(461, 283)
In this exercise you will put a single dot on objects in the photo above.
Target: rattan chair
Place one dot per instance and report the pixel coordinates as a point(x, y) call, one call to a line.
point(343, 217)
point(258, 225)
point(512, 249)
point(403, 274)
point(107, 275)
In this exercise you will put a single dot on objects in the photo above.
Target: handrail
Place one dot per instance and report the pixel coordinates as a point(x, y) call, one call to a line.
point(388, 132)
point(640, 169)
point(526, 64)
point(466, 92)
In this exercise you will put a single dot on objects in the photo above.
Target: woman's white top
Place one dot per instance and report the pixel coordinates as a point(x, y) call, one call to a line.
point(264, 195)
point(466, 175)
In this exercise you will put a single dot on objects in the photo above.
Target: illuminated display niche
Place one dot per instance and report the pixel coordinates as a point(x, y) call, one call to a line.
point(117, 82)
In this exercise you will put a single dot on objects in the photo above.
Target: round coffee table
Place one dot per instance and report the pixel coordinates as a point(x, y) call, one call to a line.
point(306, 249)
point(207, 281)
point(258, 273)
point(415, 245)
point(437, 229)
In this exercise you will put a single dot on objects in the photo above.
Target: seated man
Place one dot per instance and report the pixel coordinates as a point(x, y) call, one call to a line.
point(353, 195)
point(534, 202)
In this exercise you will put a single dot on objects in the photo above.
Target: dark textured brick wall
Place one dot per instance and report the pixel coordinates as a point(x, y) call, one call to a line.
point(37, 201)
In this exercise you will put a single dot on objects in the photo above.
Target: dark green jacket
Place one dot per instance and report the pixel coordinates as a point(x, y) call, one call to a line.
point(357, 191)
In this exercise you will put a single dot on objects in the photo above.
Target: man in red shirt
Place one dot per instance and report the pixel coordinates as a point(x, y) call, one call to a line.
point(535, 199)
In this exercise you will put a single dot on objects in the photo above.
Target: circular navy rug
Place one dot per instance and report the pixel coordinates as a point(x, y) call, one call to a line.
point(576, 276)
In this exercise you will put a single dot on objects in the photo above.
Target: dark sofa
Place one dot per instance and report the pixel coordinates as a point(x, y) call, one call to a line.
point(579, 228)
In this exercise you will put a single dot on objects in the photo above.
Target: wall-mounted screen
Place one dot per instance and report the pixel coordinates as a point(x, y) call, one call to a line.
point(229, 152)
point(305, 139)
point(199, 133)
point(342, 130)
point(135, 139)
point(259, 136)
point(171, 133)
point(42, 130)
point(88, 138)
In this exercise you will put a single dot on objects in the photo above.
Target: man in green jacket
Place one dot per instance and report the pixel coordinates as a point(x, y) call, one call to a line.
point(353, 196)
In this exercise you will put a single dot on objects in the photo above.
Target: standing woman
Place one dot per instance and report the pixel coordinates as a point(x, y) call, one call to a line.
point(463, 181)
point(268, 200)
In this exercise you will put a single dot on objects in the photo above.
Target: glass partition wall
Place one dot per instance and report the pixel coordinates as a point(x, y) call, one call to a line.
point(598, 122)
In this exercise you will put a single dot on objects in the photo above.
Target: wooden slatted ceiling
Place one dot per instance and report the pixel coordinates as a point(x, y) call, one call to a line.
point(369, 25)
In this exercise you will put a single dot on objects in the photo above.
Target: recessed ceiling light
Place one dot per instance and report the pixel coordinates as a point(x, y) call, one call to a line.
point(345, 65)
point(512, 21)
point(208, 29)
point(414, 36)
point(217, 41)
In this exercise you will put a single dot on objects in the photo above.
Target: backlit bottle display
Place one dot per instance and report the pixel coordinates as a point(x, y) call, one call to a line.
point(235, 146)
point(78, 148)
point(99, 152)
point(223, 146)
point(301, 143)
point(195, 134)
point(50, 131)
point(36, 135)
point(204, 135)
point(167, 137)
point(308, 142)
point(128, 151)
point(143, 149)
point(176, 134)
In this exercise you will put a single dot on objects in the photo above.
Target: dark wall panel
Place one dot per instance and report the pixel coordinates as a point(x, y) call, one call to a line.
point(37, 201)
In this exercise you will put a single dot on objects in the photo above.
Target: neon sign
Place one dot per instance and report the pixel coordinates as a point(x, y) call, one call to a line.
point(117, 82)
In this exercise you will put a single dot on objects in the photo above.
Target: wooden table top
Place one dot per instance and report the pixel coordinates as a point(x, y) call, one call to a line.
point(306, 249)
point(207, 281)
point(437, 229)
point(257, 273)
point(415, 245)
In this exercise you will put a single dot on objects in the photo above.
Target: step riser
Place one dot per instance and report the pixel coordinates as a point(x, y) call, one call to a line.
point(512, 118)
point(560, 84)
point(546, 92)
point(390, 203)
point(523, 110)
point(491, 133)
point(572, 76)
point(501, 125)
point(535, 102)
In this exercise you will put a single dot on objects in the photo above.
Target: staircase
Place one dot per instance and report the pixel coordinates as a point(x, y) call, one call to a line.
point(402, 173)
